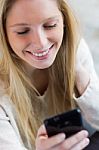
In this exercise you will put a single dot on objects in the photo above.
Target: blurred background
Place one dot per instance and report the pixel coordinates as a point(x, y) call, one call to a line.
point(87, 11)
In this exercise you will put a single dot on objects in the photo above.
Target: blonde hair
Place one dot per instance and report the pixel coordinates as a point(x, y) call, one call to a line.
point(23, 94)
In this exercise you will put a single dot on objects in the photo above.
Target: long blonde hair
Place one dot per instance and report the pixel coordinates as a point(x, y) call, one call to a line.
point(23, 94)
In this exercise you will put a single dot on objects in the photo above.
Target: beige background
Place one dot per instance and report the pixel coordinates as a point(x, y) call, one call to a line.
point(88, 13)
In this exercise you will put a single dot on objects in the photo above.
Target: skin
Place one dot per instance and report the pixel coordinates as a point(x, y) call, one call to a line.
point(35, 26)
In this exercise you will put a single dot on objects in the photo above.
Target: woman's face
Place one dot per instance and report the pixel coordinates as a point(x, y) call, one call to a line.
point(35, 31)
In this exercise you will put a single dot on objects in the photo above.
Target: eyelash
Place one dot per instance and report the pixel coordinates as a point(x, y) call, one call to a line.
point(23, 32)
point(50, 26)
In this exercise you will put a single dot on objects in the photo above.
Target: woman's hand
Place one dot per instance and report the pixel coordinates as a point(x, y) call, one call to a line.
point(59, 142)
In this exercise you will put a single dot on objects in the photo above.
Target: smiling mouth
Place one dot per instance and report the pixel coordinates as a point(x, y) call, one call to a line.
point(40, 54)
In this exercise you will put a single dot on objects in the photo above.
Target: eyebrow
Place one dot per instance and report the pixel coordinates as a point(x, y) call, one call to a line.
point(19, 24)
point(25, 24)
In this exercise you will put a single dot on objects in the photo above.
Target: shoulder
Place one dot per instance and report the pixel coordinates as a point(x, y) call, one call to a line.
point(82, 45)
point(84, 56)
point(83, 50)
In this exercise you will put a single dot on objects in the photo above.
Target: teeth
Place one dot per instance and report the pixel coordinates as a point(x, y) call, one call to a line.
point(40, 54)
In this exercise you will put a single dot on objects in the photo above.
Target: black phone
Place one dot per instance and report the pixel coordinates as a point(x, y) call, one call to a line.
point(69, 123)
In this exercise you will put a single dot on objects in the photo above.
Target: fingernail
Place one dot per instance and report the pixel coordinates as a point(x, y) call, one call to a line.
point(62, 136)
point(85, 133)
point(87, 141)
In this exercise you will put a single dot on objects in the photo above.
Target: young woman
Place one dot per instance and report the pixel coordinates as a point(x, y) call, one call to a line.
point(45, 69)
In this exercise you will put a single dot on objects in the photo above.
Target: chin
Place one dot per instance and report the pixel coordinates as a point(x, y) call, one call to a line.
point(43, 66)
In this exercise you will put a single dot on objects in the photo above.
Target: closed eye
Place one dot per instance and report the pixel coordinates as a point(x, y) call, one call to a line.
point(50, 26)
point(23, 32)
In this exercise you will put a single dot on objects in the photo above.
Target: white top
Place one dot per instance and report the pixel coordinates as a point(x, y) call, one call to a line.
point(10, 138)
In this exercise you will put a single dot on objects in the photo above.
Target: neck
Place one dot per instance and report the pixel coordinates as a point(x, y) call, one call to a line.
point(39, 79)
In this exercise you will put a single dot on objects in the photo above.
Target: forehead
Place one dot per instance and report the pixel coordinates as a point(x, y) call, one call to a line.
point(33, 9)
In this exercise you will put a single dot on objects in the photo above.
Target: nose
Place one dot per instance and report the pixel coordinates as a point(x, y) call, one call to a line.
point(39, 39)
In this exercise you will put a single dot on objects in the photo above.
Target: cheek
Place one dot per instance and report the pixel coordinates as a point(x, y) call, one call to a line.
point(59, 37)
point(59, 33)
point(16, 43)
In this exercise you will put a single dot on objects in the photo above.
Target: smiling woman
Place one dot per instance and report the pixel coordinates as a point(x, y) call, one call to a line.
point(38, 36)
point(44, 64)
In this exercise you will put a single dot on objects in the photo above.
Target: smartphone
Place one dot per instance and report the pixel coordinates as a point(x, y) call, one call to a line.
point(69, 123)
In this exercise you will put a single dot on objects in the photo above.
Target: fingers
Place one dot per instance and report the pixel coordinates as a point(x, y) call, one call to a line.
point(51, 142)
point(81, 145)
point(77, 138)
point(44, 143)
point(75, 142)
point(58, 142)
point(41, 131)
